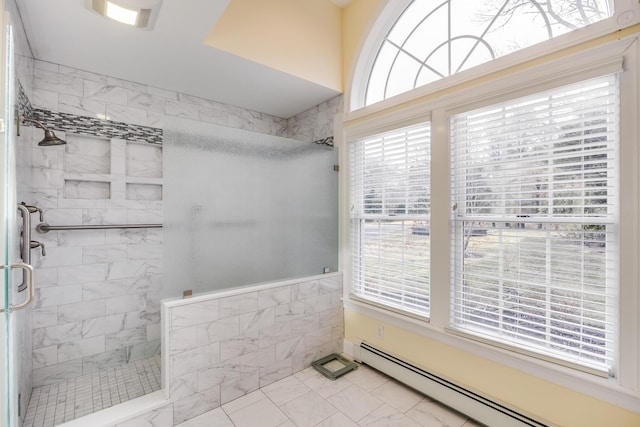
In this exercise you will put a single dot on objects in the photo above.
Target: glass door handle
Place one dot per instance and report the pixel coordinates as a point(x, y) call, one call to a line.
point(28, 270)
point(25, 238)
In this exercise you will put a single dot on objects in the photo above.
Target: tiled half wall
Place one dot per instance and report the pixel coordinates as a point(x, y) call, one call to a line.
point(221, 346)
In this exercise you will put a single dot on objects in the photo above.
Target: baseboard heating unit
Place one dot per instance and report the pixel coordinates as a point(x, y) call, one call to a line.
point(465, 401)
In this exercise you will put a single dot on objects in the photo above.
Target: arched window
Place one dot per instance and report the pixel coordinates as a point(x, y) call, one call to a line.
point(486, 184)
point(434, 39)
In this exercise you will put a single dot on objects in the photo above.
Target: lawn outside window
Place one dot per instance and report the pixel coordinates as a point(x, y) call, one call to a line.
point(535, 245)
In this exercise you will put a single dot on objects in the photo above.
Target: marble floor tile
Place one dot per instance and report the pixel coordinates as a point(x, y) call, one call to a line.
point(355, 402)
point(263, 413)
point(397, 395)
point(308, 410)
point(429, 413)
point(285, 390)
point(244, 401)
point(367, 378)
point(386, 416)
point(216, 417)
point(337, 420)
point(321, 384)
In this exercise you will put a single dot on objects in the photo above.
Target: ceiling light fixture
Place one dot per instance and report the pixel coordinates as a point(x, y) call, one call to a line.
point(120, 14)
point(137, 13)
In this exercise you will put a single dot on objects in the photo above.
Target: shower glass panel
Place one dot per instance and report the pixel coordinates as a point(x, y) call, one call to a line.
point(242, 208)
point(9, 250)
point(6, 274)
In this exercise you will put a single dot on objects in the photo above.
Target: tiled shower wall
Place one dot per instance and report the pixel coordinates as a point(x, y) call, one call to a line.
point(61, 89)
point(97, 299)
point(98, 291)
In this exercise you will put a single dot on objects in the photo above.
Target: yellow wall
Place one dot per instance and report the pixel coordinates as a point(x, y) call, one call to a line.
point(357, 17)
point(529, 395)
point(300, 37)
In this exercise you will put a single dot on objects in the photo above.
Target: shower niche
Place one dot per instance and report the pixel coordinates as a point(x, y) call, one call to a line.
point(96, 168)
point(143, 169)
point(86, 165)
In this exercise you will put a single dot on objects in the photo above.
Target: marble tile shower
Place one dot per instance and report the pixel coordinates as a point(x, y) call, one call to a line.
point(97, 301)
point(97, 290)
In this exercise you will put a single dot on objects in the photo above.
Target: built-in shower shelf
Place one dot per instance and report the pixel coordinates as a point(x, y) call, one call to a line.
point(146, 192)
point(77, 189)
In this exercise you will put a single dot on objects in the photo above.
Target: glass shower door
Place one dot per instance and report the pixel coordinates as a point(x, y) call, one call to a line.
point(5, 254)
point(4, 296)
point(7, 275)
point(13, 270)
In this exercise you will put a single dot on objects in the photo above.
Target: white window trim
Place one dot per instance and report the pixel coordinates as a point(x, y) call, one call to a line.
point(627, 13)
point(624, 390)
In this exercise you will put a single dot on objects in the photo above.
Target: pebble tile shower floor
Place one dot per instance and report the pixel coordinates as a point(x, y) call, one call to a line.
point(57, 403)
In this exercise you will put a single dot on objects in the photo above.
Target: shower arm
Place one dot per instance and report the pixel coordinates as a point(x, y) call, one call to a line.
point(22, 119)
point(37, 122)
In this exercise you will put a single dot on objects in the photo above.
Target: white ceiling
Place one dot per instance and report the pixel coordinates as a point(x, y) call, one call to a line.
point(171, 56)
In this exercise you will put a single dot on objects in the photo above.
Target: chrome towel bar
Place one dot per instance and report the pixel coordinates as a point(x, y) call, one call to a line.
point(45, 228)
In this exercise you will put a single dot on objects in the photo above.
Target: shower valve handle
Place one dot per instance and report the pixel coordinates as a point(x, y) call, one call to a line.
point(35, 244)
point(34, 209)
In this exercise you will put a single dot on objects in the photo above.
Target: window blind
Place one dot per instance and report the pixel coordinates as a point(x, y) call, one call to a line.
point(534, 229)
point(390, 192)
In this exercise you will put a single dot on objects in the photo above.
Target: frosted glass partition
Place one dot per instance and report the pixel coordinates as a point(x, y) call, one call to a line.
point(242, 207)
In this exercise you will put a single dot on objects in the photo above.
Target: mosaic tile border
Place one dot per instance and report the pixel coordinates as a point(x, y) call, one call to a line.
point(325, 141)
point(96, 127)
point(24, 105)
point(86, 125)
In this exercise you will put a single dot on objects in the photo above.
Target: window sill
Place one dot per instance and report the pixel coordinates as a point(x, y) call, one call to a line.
point(605, 389)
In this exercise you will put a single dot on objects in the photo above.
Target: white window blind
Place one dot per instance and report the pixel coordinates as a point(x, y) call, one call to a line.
point(390, 192)
point(534, 191)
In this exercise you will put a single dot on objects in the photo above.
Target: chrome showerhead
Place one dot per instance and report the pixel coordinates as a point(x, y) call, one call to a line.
point(50, 138)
